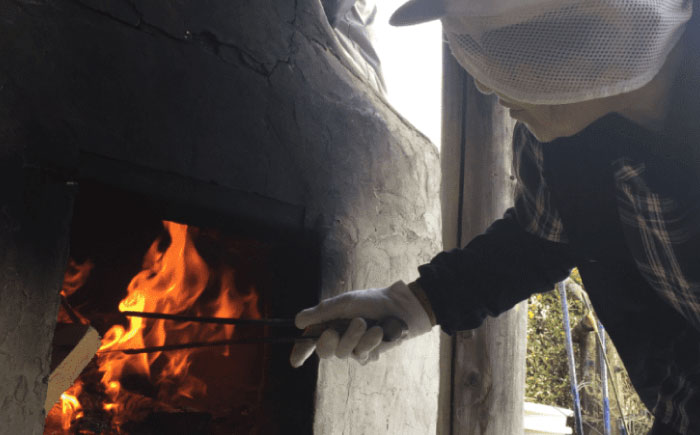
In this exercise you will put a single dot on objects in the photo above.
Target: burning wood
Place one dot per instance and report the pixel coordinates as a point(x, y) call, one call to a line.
point(74, 346)
point(172, 281)
point(177, 282)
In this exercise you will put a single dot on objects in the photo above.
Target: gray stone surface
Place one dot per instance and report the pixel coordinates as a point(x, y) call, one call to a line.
point(34, 219)
point(252, 95)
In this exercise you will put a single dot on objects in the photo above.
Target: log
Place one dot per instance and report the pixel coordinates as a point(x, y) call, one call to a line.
point(74, 346)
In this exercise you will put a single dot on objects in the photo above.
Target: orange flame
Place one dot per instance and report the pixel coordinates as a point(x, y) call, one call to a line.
point(171, 282)
point(68, 409)
point(75, 276)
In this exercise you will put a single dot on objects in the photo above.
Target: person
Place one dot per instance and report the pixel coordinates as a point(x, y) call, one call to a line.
point(606, 154)
point(353, 23)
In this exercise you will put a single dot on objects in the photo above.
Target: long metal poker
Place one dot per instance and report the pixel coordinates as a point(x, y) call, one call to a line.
point(393, 330)
point(194, 345)
point(217, 320)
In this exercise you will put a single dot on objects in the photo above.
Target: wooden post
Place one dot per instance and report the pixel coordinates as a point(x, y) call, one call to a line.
point(488, 364)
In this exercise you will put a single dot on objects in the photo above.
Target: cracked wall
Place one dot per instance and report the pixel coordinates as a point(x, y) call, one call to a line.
point(252, 95)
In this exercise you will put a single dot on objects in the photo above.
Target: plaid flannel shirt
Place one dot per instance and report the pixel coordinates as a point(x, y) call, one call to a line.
point(662, 235)
point(529, 250)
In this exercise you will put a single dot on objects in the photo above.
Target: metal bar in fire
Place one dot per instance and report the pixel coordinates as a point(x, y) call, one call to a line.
point(217, 320)
point(394, 329)
point(194, 345)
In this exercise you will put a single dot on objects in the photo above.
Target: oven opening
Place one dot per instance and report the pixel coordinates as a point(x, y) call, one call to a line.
point(185, 373)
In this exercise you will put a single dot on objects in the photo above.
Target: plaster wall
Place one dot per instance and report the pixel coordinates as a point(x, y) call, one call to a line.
point(251, 95)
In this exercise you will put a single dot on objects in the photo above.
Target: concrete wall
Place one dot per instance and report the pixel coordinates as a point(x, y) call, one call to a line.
point(34, 219)
point(252, 95)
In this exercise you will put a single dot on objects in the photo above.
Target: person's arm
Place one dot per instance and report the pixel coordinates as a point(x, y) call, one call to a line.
point(495, 271)
point(523, 253)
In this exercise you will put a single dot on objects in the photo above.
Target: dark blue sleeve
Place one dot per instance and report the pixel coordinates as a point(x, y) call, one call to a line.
point(495, 271)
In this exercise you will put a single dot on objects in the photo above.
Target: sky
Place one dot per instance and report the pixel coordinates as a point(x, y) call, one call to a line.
point(411, 59)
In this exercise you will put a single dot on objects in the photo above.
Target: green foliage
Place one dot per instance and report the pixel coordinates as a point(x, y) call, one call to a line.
point(547, 367)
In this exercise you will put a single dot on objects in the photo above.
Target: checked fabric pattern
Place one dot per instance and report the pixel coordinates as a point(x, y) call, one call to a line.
point(662, 235)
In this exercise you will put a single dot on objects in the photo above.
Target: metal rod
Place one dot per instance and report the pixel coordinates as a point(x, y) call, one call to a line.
point(394, 329)
point(217, 320)
point(194, 345)
point(572, 362)
point(611, 375)
point(604, 380)
point(70, 311)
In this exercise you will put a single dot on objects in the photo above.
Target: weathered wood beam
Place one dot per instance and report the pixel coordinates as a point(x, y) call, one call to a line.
point(488, 364)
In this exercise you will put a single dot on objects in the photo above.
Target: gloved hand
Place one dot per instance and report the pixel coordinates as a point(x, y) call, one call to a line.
point(358, 341)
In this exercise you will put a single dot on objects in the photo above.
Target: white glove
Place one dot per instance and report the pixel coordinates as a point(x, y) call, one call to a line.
point(358, 341)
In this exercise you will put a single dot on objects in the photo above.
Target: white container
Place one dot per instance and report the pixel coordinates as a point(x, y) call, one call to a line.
point(546, 420)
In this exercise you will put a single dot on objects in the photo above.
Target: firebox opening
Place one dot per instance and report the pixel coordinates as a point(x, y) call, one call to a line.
point(123, 246)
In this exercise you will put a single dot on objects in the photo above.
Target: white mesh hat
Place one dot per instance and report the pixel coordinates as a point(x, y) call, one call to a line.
point(556, 51)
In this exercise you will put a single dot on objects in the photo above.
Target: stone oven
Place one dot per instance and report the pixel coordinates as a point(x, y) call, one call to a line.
point(244, 120)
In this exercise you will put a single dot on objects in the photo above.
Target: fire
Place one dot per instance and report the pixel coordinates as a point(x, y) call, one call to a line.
point(68, 409)
point(75, 276)
point(175, 279)
point(70, 406)
point(172, 281)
